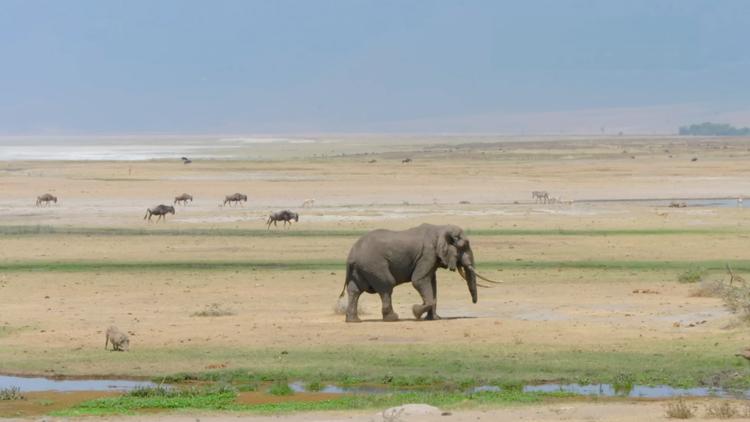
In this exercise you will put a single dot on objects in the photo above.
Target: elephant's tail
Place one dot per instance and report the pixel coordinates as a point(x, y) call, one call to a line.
point(341, 303)
point(346, 279)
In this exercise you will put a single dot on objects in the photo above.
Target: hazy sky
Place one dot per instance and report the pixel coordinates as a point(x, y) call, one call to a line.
point(106, 66)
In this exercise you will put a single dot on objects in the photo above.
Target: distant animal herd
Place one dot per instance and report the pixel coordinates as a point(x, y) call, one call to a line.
point(161, 210)
point(286, 216)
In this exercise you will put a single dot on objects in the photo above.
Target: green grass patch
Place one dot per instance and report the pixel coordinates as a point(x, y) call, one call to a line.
point(136, 266)
point(692, 275)
point(281, 388)
point(128, 404)
point(456, 368)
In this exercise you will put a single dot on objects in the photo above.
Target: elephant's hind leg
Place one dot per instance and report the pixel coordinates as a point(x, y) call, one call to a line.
point(388, 314)
point(351, 310)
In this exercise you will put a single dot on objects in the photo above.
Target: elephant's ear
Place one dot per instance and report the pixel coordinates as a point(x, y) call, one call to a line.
point(445, 247)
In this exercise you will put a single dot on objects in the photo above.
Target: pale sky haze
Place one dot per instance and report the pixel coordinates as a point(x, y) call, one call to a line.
point(356, 66)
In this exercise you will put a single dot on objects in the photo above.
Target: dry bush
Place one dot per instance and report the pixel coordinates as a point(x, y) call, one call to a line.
point(735, 293)
point(680, 410)
point(693, 275)
point(708, 288)
point(11, 393)
point(736, 297)
point(213, 310)
point(722, 410)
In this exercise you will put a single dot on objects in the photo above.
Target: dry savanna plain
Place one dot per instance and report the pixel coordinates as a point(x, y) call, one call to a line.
point(591, 291)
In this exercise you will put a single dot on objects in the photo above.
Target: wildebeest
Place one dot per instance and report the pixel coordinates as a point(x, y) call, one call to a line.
point(235, 198)
point(540, 196)
point(159, 210)
point(45, 199)
point(184, 198)
point(120, 341)
point(286, 216)
point(406, 160)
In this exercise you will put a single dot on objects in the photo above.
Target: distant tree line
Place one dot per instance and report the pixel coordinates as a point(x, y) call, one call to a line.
point(714, 129)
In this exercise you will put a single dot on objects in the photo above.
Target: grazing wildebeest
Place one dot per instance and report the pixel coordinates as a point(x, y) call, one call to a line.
point(184, 198)
point(540, 196)
point(120, 341)
point(308, 203)
point(45, 199)
point(235, 198)
point(286, 216)
point(159, 210)
point(406, 160)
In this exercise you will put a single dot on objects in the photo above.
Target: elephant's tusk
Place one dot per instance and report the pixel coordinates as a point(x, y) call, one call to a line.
point(483, 286)
point(483, 278)
point(462, 273)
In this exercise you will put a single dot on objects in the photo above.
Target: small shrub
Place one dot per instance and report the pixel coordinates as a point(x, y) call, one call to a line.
point(281, 389)
point(706, 288)
point(736, 299)
point(722, 410)
point(314, 386)
point(213, 310)
point(158, 391)
point(692, 275)
point(623, 383)
point(250, 386)
point(221, 389)
point(11, 393)
point(679, 410)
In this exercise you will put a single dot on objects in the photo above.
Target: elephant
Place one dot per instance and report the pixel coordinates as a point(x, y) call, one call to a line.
point(382, 259)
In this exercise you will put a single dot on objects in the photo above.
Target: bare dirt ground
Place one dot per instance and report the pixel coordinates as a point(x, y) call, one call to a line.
point(576, 411)
point(53, 321)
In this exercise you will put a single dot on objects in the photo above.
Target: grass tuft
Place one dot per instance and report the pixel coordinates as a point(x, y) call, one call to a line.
point(213, 310)
point(11, 393)
point(721, 410)
point(692, 275)
point(281, 389)
point(679, 410)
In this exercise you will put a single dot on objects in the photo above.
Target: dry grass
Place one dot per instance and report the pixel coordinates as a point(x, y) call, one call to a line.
point(214, 310)
point(708, 288)
point(11, 393)
point(679, 410)
point(736, 296)
point(721, 410)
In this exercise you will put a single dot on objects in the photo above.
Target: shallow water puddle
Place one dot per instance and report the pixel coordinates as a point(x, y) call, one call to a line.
point(599, 390)
point(34, 384)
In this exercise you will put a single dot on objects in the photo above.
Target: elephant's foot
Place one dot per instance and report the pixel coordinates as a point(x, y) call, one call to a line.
point(418, 310)
point(432, 316)
point(392, 316)
point(353, 318)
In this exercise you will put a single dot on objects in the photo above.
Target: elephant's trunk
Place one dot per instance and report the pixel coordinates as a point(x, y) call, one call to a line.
point(466, 269)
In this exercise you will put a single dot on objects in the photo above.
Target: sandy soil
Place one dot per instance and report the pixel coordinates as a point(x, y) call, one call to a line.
point(577, 411)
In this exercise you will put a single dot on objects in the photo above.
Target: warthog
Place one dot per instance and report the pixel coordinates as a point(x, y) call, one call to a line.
point(120, 341)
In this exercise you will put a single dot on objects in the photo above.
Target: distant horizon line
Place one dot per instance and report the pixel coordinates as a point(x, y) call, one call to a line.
point(261, 135)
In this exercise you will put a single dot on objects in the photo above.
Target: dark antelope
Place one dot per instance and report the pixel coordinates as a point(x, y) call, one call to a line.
point(286, 216)
point(540, 196)
point(45, 199)
point(236, 198)
point(159, 210)
point(184, 198)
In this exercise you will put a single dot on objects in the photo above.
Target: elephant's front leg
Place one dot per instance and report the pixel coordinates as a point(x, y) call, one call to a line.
point(432, 313)
point(424, 287)
point(388, 314)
